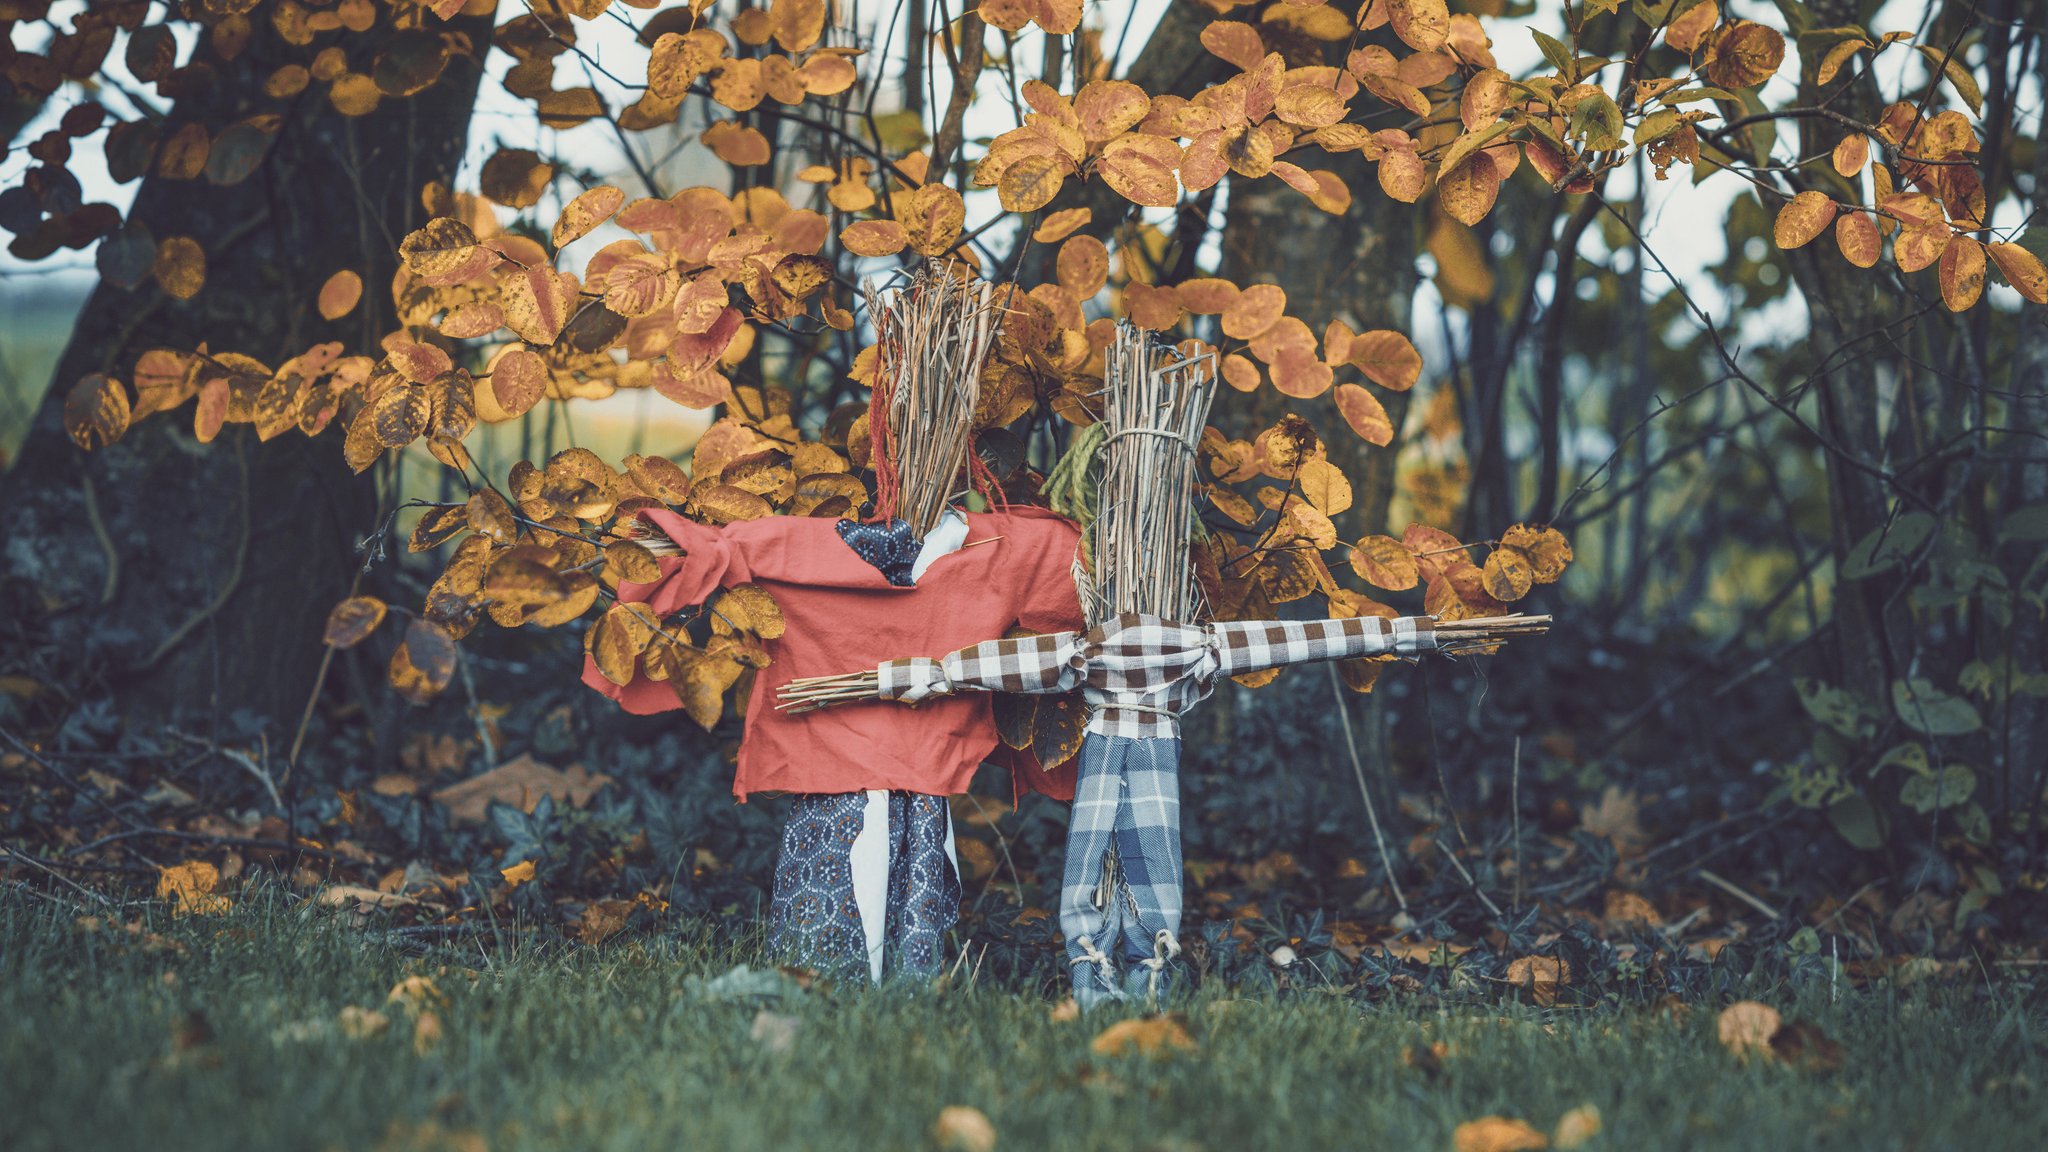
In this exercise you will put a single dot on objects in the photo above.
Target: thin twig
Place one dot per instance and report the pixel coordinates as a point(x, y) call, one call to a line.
point(1728, 886)
point(1358, 770)
point(45, 869)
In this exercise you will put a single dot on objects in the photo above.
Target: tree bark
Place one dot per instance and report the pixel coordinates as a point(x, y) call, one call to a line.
point(1358, 268)
point(173, 575)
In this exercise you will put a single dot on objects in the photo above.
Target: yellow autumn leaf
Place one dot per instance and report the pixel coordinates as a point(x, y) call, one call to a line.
point(1577, 1127)
point(1746, 1027)
point(517, 874)
point(416, 993)
point(963, 1129)
point(1150, 1036)
point(191, 885)
point(1497, 1134)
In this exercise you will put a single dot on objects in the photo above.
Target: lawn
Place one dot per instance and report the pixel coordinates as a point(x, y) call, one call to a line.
point(279, 1026)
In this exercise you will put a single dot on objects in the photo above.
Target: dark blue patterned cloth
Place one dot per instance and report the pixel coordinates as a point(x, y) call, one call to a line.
point(890, 546)
point(814, 918)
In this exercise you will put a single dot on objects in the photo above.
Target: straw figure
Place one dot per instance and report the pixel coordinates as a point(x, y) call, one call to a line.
point(1146, 658)
point(867, 879)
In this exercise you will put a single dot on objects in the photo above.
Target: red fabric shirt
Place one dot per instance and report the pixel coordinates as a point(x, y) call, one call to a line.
point(841, 615)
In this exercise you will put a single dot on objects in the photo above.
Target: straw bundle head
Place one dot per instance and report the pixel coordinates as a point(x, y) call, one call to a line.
point(1155, 403)
point(932, 336)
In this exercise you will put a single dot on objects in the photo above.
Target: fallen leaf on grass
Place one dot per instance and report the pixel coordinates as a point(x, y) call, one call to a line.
point(191, 885)
point(521, 783)
point(603, 919)
point(1624, 909)
point(362, 1023)
point(517, 874)
point(1541, 976)
point(1576, 1127)
point(1150, 1035)
point(417, 993)
point(1497, 1134)
point(1617, 817)
point(1746, 1028)
point(963, 1129)
point(351, 895)
point(426, 1033)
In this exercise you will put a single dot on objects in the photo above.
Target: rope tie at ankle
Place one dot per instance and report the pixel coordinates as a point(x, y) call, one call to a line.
point(1165, 949)
point(1090, 954)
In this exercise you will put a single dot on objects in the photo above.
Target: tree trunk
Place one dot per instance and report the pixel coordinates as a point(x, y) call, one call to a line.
point(177, 576)
point(1847, 304)
point(1358, 268)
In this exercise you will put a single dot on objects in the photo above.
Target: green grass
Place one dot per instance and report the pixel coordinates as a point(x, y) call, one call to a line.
point(613, 1048)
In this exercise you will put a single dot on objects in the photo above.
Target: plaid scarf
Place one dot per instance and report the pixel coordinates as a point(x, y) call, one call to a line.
point(1139, 673)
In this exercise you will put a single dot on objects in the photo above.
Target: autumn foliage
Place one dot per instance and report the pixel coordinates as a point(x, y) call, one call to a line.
point(1072, 192)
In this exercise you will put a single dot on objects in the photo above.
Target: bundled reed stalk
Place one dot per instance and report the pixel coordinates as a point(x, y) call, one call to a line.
point(1485, 633)
point(932, 338)
point(1155, 403)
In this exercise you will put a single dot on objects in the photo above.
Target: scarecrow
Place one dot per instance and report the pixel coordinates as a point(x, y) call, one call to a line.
point(867, 879)
point(1145, 658)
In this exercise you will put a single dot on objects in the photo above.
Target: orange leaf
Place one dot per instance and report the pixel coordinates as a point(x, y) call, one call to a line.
point(874, 238)
point(1746, 1027)
point(96, 411)
point(1061, 224)
point(1234, 41)
point(1109, 108)
point(339, 295)
point(1424, 25)
point(1031, 182)
point(1387, 358)
point(2023, 270)
point(931, 218)
point(586, 212)
point(1384, 562)
point(1686, 32)
point(538, 302)
point(1857, 236)
point(1961, 274)
point(1744, 55)
point(1508, 574)
point(180, 268)
point(1151, 1036)
point(1402, 175)
point(1802, 218)
point(1852, 154)
point(1920, 245)
point(1140, 168)
point(1256, 309)
point(1365, 414)
point(519, 379)
point(1468, 191)
point(1497, 1134)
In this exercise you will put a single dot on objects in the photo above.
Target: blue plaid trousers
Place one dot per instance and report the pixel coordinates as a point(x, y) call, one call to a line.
point(1120, 897)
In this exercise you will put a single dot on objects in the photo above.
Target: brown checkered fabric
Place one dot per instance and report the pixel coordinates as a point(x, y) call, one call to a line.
point(1139, 673)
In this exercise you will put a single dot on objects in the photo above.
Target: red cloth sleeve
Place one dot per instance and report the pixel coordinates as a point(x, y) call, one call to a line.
point(708, 563)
